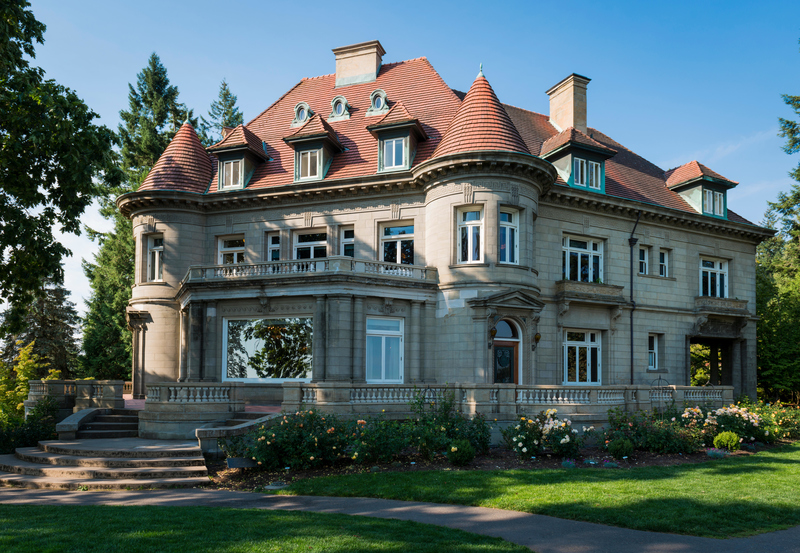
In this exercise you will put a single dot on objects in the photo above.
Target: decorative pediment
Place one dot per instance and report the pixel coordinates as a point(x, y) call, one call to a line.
point(515, 299)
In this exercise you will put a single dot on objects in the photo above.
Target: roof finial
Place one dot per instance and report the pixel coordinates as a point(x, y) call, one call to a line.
point(480, 73)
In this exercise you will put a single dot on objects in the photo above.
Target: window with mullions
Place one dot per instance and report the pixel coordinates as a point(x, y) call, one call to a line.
point(155, 258)
point(231, 250)
point(581, 357)
point(398, 244)
point(348, 242)
point(663, 263)
point(644, 253)
point(231, 174)
point(582, 259)
point(273, 247)
point(652, 352)
point(587, 173)
point(509, 231)
point(394, 153)
point(308, 164)
point(713, 202)
point(470, 225)
point(384, 350)
point(311, 245)
point(713, 278)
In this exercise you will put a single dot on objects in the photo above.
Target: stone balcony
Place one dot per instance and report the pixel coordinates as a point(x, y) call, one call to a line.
point(721, 306)
point(589, 292)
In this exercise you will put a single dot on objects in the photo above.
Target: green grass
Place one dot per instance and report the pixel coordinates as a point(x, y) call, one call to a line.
point(724, 498)
point(215, 530)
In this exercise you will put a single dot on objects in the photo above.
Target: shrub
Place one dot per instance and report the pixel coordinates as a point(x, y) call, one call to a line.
point(461, 453)
point(436, 424)
point(716, 453)
point(378, 440)
point(648, 431)
point(532, 435)
point(727, 440)
point(40, 425)
point(620, 448)
point(742, 421)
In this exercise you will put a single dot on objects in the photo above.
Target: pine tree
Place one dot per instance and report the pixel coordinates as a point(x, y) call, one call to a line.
point(50, 323)
point(223, 113)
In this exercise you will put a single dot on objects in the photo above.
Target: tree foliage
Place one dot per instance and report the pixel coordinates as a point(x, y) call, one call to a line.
point(223, 113)
point(50, 151)
point(272, 348)
point(14, 386)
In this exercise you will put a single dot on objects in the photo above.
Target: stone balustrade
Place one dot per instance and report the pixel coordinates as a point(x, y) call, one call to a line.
point(99, 394)
point(63, 391)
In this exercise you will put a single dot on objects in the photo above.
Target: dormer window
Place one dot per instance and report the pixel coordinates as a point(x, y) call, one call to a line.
point(378, 104)
point(587, 173)
point(302, 113)
point(340, 110)
point(394, 153)
point(308, 164)
point(713, 203)
point(231, 174)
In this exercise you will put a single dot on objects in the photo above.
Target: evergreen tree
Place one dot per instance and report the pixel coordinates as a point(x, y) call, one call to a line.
point(50, 323)
point(223, 113)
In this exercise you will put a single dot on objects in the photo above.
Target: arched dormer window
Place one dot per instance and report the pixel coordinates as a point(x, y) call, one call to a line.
point(302, 113)
point(340, 109)
point(378, 103)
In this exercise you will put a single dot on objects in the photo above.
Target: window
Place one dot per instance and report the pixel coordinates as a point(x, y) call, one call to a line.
point(384, 350)
point(273, 247)
point(310, 245)
point(271, 350)
point(582, 259)
point(308, 164)
point(377, 103)
point(302, 112)
point(394, 153)
point(398, 244)
point(581, 357)
point(713, 278)
point(587, 173)
point(713, 202)
point(663, 263)
point(348, 242)
point(644, 253)
point(155, 258)
point(652, 352)
point(509, 230)
point(231, 250)
point(470, 223)
point(719, 204)
point(231, 174)
point(340, 110)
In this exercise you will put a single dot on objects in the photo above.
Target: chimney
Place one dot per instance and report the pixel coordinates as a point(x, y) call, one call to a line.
point(568, 103)
point(358, 63)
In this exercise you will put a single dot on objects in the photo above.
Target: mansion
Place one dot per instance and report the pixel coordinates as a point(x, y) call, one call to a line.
point(374, 230)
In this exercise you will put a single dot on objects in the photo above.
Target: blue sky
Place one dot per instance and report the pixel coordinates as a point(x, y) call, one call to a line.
point(672, 81)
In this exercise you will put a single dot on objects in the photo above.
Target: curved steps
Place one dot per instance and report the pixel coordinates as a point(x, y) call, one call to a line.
point(122, 463)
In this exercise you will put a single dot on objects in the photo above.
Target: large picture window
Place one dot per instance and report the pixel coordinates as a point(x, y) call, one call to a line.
point(582, 259)
point(470, 229)
point(581, 357)
point(713, 278)
point(267, 349)
point(384, 350)
point(509, 232)
point(231, 250)
point(310, 245)
point(398, 244)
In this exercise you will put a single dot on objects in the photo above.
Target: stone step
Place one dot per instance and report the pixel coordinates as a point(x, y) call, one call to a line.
point(41, 482)
point(36, 455)
point(105, 434)
point(109, 426)
point(128, 448)
point(116, 418)
point(11, 464)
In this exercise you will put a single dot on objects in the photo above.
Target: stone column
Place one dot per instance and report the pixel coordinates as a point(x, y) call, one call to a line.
point(736, 367)
point(714, 365)
point(184, 314)
point(195, 358)
point(338, 338)
point(359, 341)
point(137, 323)
point(414, 345)
point(429, 341)
point(211, 368)
point(318, 345)
point(490, 227)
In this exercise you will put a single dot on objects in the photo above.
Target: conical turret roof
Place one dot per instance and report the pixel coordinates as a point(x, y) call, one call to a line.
point(481, 123)
point(184, 165)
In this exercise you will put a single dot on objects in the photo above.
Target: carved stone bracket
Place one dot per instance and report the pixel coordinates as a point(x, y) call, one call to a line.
point(616, 313)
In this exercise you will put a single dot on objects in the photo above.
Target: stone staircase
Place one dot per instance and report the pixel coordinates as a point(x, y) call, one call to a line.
point(243, 417)
point(105, 464)
point(113, 423)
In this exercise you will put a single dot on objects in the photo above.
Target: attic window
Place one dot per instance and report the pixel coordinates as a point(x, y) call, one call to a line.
point(301, 114)
point(231, 175)
point(713, 202)
point(378, 103)
point(340, 110)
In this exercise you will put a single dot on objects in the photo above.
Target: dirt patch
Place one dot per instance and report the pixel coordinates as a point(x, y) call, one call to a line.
point(224, 478)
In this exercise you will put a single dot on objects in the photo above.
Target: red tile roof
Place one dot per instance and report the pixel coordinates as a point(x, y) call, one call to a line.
point(316, 126)
point(572, 136)
point(691, 171)
point(237, 137)
point(398, 114)
point(184, 165)
point(481, 124)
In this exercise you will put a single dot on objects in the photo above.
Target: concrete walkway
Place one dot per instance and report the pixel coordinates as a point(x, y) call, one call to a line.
point(540, 533)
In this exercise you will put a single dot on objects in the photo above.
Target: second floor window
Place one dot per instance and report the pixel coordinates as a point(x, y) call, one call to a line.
point(470, 225)
point(231, 250)
point(663, 263)
point(643, 255)
point(348, 241)
point(713, 278)
point(273, 247)
point(155, 258)
point(308, 164)
point(311, 245)
point(398, 244)
point(587, 173)
point(582, 259)
point(509, 230)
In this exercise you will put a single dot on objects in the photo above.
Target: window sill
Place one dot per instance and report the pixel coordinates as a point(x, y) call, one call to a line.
point(393, 170)
point(466, 265)
point(517, 266)
point(657, 371)
point(673, 279)
point(154, 283)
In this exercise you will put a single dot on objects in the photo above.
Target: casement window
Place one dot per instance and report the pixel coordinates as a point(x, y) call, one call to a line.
point(582, 259)
point(713, 278)
point(155, 258)
point(347, 241)
point(397, 243)
point(308, 164)
point(587, 173)
point(719, 204)
point(231, 174)
point(581, 357)
point(310, 245)
point(470, 230)
point(273, 247)
point(652, 352)
point(713, 202)
point(231, 250)
point(644, 254)
point(663, 263)
point(394, 153)
point(509, 233)
point(384, 350)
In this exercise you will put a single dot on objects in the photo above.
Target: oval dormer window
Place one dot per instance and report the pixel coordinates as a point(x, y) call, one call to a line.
point(377, 102)
point(338, 109)
point(301, 114)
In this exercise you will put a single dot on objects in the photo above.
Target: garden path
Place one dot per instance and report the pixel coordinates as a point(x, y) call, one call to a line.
point(542, 534)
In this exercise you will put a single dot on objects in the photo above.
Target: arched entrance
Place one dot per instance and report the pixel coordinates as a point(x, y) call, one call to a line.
point(505, 352)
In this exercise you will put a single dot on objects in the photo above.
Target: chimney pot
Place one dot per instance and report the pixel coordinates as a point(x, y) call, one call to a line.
point(568, 103)
point(358, 63)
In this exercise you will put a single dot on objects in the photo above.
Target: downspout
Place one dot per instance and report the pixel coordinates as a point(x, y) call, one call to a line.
point(632, 243)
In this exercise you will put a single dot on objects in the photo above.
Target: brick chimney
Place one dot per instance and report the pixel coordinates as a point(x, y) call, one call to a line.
point(358, 63)
point(568, 103)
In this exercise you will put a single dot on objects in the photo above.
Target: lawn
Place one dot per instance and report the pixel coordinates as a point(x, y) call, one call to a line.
point(720, 498)
point(214, 530)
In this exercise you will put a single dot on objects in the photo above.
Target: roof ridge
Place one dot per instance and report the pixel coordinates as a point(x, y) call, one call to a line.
point(627, 149)
point(273, 104)
point(530, 111)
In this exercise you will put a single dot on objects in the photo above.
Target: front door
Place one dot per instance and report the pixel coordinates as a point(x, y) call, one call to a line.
point(505, 363)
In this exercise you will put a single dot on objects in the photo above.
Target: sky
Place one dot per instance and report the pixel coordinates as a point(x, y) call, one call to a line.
point(672, 81)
